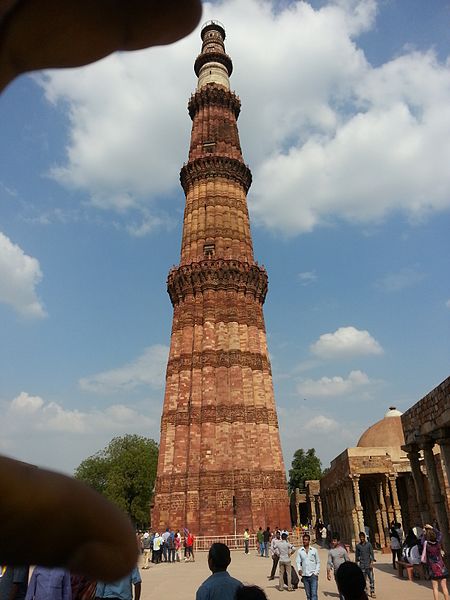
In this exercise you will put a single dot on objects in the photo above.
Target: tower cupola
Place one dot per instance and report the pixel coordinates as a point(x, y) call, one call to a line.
point(213, 65)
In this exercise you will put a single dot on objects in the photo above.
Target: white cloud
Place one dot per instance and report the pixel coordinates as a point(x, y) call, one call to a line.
point(26, 404)
point(51, 434)
point(333, 386)
point(147, 369)
point(317, 141)
point(447, 304)
point(395, 282)
point(307, 277)
point(20, 274)
point(323, 424)
point(345, 342)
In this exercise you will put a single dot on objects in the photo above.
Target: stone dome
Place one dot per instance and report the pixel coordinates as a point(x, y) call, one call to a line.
point(387, 432)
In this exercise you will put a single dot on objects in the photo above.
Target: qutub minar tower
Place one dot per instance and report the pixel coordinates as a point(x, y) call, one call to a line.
point(220, 465)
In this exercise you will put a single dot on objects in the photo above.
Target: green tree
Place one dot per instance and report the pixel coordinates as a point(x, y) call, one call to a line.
point(124, 472)
point(305, 466)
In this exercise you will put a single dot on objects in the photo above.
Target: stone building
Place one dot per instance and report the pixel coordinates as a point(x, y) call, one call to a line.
point(220, 464)
point(371, 485)
point(426, 427)
point(305, 504)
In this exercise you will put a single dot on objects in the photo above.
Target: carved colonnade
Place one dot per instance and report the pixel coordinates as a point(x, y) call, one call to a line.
point(349, 509)
point(439, 503)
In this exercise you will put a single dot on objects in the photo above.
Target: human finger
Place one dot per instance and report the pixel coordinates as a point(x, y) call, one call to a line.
point(40, 34)
point(53, 520)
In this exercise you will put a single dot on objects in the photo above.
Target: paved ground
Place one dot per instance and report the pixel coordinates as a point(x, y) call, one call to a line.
point(181, 580)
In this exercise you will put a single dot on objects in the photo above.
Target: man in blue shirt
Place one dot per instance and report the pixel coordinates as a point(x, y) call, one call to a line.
point(308, 566)
point(220, 585)
point(121, 589)
point(49, 584)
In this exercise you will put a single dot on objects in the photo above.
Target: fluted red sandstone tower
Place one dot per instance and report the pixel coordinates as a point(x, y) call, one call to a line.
point(220, 456)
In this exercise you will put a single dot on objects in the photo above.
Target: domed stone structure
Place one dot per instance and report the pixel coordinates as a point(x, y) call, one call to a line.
point(370, 485)
point(388, 432)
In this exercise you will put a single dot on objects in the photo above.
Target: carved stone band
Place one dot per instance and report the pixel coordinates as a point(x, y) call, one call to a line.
point(209, 57)
point(218, 358)
point(215, 166)
point(204, 275)
point(256, 479)
point(214, 95)
point(221, 413)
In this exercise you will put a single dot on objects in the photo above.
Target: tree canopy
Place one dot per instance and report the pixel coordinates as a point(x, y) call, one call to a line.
point(124, 472)
point(305, 466)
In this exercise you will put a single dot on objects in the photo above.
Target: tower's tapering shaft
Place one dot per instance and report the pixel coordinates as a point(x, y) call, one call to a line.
point(220, 455)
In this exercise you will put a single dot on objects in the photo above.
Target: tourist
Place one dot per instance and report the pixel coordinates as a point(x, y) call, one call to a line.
point(432, 557)
point(308, 567)
point(274, 552)
point(337, 555)
point(177, 542)
point(49, 584)
point(410, 551)
point(396, 537)
point(171, 547)
point(13, 582)
point(365, 558)
point(285, 551)
point(220, 584)
point(188, 546)
point(157, 548)
point(147, 547)
point(260, 540)
point(266, 540)
point(351, 582)
point(246, 540)
point(250, 592)
point(323, 536)
point(121, 589)
point(164, 545)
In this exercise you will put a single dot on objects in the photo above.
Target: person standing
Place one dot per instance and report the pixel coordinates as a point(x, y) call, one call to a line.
point(323, 536)
point(13, 582)
point(177, 542)
point(336, 556)
point(308, 567)
point(365, 558)
point(432, 556)
point(220, 584)
point(157, 547)
point(396, 535)
point(275, 554)
point(266, 540)
point(285, 551)
point(49, 584)
point(246, 540)
point(121, 589)
point(147, 547)
point(260, 539)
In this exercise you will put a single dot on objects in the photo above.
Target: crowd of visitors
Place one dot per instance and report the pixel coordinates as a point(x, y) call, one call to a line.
point(168, 546)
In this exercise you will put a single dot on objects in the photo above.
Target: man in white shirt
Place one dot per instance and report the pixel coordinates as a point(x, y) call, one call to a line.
point(285, 551)
point(308, 567)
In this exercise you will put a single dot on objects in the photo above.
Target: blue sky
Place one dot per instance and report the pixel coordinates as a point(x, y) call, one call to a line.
point(344, 123)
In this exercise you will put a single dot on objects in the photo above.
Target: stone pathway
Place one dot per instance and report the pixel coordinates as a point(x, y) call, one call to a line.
point(182, 579)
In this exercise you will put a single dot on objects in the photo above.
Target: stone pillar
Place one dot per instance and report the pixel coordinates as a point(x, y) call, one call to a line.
point(358, 505)
point(444, 445)
point(392, 477)
point(413, 456)
point(383, 512)
point(438, 500)
point(388, 499)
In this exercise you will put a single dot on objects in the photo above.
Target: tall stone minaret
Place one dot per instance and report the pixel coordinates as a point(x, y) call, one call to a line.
point(220, 464)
